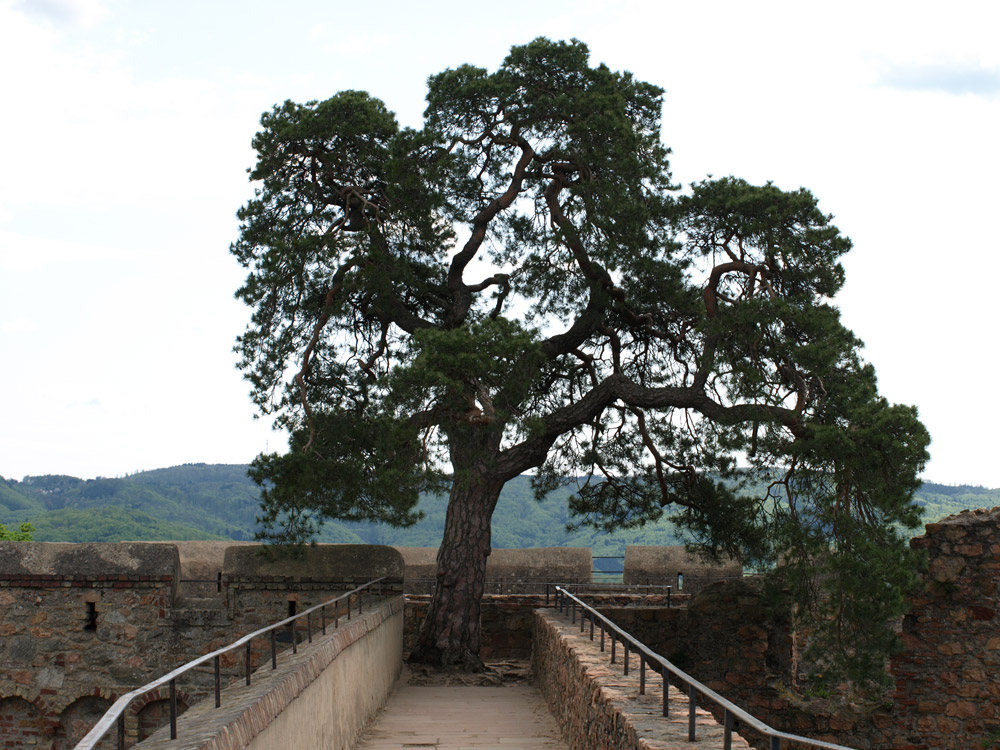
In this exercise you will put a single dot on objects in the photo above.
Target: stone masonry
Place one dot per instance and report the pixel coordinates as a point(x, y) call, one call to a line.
point(81, 624)
point(948, 673)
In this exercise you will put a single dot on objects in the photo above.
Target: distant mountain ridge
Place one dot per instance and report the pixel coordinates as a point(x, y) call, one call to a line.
point(219, 501)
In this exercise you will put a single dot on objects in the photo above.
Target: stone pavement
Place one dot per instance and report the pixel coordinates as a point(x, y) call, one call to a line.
point(455, 717)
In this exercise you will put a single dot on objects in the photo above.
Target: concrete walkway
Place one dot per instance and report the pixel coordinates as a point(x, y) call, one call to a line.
point(430, 716)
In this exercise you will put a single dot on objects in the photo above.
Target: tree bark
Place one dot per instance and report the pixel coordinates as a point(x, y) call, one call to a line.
point(450, 634)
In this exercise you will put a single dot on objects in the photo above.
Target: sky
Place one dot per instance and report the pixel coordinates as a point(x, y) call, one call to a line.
point(125, 140)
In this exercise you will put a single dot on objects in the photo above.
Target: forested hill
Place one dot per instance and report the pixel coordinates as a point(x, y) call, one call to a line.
point(202, 501)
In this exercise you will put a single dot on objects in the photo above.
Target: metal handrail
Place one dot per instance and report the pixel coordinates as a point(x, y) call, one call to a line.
point(566, 600)
point(117, 711)
point(546, 587)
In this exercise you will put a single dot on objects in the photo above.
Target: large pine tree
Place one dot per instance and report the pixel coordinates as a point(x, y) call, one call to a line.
point(518, 286)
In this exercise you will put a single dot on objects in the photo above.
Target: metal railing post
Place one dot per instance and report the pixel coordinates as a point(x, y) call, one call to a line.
point(613, 639)
point(247, 660)
point(666, 690)
point(591, 626)
point(642, 673)
point(322, 615)
point(625, 660)
point(727, 737)
point(217, 669)
point(295, 637)
point(692, 704)
point(309, 627)
point(173, 709)
point(775, 743)
point(121, 732)
point(602, 636)
point(274, 648)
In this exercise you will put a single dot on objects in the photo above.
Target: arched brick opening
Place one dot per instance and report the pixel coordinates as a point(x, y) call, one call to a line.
point(156, 714)
point(20, 723)
point(77, 719)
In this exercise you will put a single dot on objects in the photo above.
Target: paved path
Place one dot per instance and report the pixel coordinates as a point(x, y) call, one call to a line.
point(428, 716)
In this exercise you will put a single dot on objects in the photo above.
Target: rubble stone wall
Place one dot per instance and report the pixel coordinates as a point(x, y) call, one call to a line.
point(598, 706)
point(82, 624)
point(948, 674)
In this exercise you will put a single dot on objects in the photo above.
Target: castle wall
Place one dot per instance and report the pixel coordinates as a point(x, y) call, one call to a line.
point(508, 571)
point(947, 689)
point(81, 624)
point(948, 674)
point(676, 567)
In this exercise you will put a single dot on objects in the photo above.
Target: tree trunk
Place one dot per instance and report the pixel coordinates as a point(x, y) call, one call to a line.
point(450, 634)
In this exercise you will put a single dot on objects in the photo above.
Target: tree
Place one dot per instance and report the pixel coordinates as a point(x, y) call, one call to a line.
point(23, 534)
point(518, 286)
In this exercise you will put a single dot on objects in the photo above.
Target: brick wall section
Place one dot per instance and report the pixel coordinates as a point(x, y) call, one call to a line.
point(948, 675)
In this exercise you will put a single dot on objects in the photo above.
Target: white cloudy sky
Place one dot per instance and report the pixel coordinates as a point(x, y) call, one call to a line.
point(124, 140)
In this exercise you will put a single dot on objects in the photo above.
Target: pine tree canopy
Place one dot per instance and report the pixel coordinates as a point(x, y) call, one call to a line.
point(519, 286)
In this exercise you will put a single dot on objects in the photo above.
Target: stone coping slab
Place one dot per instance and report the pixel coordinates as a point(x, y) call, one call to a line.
point(90, 559)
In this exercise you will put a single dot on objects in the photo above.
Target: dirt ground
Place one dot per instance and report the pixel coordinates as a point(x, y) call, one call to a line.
point(497, 674)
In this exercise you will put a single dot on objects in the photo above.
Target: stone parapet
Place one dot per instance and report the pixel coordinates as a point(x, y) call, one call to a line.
point(321, 697)
point(947, 688)
point(41, 565)
point(675, 566)
point(82, 624)
point(508, 571)
point(598, 706)
point(311, 565)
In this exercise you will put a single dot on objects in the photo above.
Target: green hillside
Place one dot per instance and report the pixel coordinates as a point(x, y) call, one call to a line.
point(110, 524)
point(203, 501)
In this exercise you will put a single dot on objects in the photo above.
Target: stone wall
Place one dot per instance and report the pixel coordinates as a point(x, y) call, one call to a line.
point(508, 571)
point(507, 620)
point(321, 697)
point(598, 706)
point(81, 624)
point(78, 623)
point(728, 638)
point(676, 567)
point(947, 690)
point(948, 674)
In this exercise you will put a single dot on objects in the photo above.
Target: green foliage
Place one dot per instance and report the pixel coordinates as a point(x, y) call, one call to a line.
point(111, 524)
point(518, 286)
point(188, 502)
point(23, 534)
